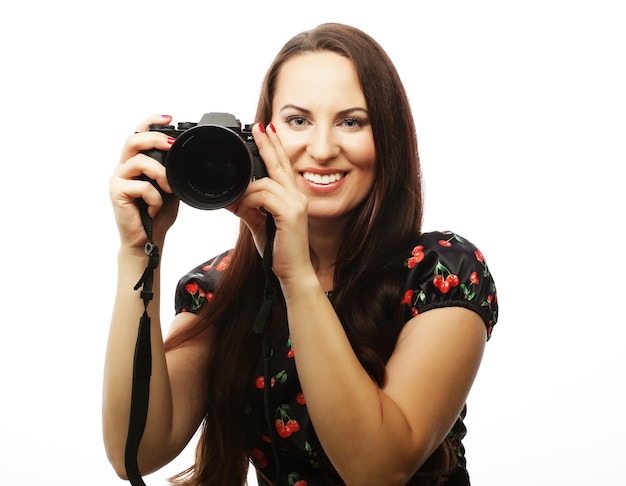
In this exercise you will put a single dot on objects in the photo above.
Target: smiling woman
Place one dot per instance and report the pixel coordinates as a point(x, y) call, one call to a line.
point(320, 114)
point(375, 330)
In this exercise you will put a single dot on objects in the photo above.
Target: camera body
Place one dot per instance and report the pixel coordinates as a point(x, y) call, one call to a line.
point(211, 163)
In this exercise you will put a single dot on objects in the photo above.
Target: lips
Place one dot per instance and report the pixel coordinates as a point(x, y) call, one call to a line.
point(324, 179)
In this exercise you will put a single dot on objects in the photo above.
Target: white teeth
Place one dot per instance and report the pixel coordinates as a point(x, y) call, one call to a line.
point(323, 179)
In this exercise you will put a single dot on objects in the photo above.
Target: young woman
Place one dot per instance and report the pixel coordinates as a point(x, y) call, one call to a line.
point(378, 330)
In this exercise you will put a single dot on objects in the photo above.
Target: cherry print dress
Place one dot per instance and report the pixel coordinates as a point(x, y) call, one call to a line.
point(443, 270)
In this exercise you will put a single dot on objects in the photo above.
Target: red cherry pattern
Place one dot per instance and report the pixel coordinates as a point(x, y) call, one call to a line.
point(280, 377)
point(223, 264)
point(258, 458)
point(260, 382)
point(290, 349)
point(198, 295)
point(294, 480)
point(408, 297)
point(444, 284)
point(285, 425)
point(417, 255)
point(444, 280)
point(220, 265)
point(290, 421)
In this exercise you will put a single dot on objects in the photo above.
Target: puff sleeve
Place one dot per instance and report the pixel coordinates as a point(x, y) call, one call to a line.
point(197, 286)
point(444, 270)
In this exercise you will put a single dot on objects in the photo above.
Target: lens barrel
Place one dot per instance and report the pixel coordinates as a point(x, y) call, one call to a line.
point(209, 166)
point(211, 163)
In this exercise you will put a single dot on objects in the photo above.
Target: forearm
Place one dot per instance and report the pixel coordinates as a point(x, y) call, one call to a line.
point(357, 424)
point(127, 311)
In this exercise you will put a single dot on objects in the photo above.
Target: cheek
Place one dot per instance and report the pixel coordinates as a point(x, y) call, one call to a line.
point(362, 155)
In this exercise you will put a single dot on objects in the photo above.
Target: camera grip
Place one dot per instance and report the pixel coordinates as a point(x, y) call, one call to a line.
point(159, 156)
point(156, 154)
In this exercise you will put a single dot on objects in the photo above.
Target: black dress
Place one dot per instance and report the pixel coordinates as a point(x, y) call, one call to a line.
point(443, 270)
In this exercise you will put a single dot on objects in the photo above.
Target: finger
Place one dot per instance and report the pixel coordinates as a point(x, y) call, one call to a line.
point(253, 218)
point(153, 120)
point(144, 141)
point(131, 190)
point(271, 151)
point(142, 165)
point(265, 146)
point(124, 192)
point(283, 158)
point(269, 196)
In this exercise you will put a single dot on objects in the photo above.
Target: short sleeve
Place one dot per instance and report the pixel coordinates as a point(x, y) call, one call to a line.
point(445, 270)
point(197, 286)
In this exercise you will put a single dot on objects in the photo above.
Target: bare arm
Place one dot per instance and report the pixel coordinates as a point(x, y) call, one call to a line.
point(382, 436)
point(176, 394)
point(175, 407)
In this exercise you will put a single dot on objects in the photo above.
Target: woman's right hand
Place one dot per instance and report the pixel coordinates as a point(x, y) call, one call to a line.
point(125, 187)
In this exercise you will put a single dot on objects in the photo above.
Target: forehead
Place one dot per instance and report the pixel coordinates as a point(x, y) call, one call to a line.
point(316, 79)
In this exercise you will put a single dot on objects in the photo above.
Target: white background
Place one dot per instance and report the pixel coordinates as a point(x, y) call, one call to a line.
point(521, 116)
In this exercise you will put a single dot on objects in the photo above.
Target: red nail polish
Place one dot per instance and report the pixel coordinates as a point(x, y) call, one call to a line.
point(171, 140)
point(166, 116)
point(271, 126)
point(261, 127)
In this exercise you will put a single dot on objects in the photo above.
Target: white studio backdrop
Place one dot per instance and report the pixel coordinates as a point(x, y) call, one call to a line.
point(520, 114)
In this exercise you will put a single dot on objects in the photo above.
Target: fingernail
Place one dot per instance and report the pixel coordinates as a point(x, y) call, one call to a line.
point(271, 126)
point(261, 127)
point(166, 116)
point(171, 140)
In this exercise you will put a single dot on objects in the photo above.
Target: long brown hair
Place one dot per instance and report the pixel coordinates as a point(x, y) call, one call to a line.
point(368, 270)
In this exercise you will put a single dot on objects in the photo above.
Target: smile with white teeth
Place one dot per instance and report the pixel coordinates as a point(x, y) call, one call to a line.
point(323, 179)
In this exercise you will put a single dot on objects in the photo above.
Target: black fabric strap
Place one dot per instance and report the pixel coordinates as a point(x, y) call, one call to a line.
point(142, 363)
point(265, 312)
point(261, 324)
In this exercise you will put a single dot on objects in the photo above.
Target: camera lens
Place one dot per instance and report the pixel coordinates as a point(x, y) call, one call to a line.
point(209, 167)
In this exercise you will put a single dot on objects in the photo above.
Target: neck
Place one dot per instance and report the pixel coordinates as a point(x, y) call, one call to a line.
point(324, 239)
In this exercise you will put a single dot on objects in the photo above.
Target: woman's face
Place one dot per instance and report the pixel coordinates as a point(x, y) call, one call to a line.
point(320, 115)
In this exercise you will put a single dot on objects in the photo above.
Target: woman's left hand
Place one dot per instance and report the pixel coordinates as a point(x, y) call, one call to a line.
point(279, 196)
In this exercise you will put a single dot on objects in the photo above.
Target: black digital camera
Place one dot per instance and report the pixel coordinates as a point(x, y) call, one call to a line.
point(211, 163)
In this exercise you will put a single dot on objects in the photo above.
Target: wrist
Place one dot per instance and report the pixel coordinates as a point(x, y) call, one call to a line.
point(127, 253)
point(302, 284)
point(132, 259)
point(138, 249)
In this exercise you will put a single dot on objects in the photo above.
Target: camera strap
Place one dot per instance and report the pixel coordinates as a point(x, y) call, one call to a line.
point(269, 294)
point(142, 362)
point(260, 326)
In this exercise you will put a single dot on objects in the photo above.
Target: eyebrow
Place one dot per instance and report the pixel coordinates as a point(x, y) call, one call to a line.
point(308, 112)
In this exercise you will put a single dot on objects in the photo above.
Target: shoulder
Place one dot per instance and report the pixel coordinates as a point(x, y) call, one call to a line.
point(445, 269)
point(197, 286)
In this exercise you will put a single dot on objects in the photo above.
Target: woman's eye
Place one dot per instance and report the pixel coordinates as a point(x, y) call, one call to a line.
point(353, 123)
point(297, 121)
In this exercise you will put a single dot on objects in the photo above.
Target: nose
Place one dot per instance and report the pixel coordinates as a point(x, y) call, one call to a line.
point(322, 145)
